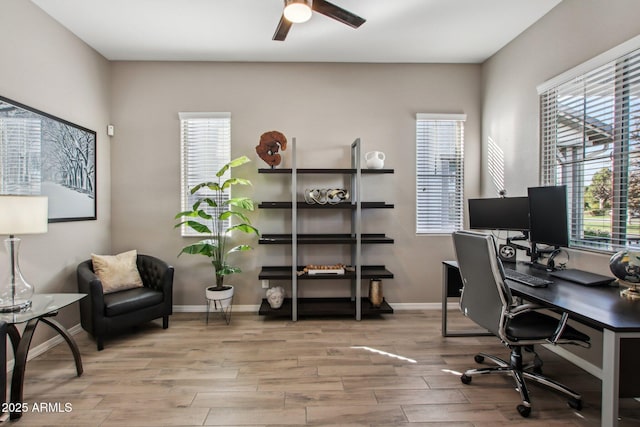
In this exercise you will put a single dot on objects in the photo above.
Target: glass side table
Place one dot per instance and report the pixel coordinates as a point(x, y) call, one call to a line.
point(43, 308)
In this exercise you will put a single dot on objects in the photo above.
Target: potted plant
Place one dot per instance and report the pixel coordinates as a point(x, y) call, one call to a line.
point(215, 213)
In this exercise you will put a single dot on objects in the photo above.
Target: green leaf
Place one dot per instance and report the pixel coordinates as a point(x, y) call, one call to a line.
point(240, 248)
point(209, 201)
point(226, 270)
point(228, 214)
point(246, 228)
point(204, 215)
point(195, 188)
point(210, 184)
point(195, 225)
point(232, 164)
point(190, 214)
point(200, 248)
point(241, 202)
point(235, 181)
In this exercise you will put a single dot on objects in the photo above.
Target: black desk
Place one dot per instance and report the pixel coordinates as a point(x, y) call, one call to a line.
point(598, 307)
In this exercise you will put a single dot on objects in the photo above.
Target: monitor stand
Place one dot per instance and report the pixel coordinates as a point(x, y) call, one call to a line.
point(523, 237)
point(534, 254)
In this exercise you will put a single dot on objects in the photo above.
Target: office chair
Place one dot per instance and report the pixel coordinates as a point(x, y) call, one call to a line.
point(487, 300)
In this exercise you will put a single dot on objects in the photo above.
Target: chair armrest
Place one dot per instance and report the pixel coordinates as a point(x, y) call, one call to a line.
point(562, 324)
point(523, 308)
point(91, 307)
point(90, 284)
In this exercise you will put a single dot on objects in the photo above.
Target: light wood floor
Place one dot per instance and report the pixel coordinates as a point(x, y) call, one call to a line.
point(259, 372)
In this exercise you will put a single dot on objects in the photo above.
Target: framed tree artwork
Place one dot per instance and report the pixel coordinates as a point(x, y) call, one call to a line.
point(44, 155)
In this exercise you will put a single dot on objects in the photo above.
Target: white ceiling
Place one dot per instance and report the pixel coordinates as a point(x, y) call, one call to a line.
point(411, 31)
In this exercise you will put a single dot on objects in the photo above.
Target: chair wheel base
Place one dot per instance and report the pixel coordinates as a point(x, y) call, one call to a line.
point(478, 358)
point(524, 411)
point(466, 379)
point(575, 404)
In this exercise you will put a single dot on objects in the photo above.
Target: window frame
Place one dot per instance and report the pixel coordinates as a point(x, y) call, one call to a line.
point(199, 161)
point(603, 80)
point(434, 150)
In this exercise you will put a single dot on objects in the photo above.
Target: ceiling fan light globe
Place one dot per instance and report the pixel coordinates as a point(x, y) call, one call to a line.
point(297, 11)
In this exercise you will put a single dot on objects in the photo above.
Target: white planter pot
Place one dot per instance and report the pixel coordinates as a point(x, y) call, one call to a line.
point(221, 298)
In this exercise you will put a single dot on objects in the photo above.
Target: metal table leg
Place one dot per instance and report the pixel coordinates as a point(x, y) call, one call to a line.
point(21, 351)
point(21, 346)
point(70, 341)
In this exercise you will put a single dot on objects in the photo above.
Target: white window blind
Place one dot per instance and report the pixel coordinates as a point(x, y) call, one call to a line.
point(20, 158)
point(205, 147)
point(590, 142)
point(439, 172)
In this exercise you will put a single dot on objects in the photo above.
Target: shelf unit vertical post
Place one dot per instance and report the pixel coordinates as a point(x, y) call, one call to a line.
point(294, 233)
point(356, 182)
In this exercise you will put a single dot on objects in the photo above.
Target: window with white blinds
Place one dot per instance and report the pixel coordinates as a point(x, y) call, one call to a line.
point(20, 155)
point(590, 142)
point(439, 173)
point(205, 140)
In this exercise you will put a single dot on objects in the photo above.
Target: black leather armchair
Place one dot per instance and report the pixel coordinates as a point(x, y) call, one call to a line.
point(104, 314)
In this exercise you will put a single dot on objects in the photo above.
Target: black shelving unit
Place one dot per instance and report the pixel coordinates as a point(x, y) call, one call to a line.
point(341, 205)
point(284, 273)
point(354, 305)
point(309, 307)
point(323, 239)
point(300, 171)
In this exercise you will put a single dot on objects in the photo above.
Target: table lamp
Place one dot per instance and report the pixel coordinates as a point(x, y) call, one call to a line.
point(19, 215)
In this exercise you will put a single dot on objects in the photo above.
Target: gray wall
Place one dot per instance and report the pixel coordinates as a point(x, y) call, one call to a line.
point(46, 67)
point(325, 106)
point(573, 32)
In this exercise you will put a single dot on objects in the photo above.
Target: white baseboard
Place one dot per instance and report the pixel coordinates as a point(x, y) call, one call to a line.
point(237, 308)
point(417, 306)
point(251, 308)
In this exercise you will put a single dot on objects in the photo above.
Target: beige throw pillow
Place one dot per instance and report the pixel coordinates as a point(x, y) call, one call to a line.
point(117, 272)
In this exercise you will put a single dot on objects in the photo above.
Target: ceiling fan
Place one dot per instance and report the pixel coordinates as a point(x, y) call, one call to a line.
point(297, 11)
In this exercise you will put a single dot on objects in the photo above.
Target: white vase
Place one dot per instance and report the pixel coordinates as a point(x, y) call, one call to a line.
point(374, 159)
point(221, 298)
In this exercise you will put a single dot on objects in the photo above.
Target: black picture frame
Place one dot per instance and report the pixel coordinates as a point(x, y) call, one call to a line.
point(41, 154)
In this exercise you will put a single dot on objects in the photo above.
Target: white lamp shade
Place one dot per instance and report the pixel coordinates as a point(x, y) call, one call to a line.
point(23, 214)
point(297, 11)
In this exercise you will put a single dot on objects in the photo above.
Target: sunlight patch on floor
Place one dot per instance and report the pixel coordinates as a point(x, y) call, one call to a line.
point(384, 353)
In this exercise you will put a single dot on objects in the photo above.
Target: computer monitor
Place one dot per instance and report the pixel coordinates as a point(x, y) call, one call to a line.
point(505, 213)
point(548, 223)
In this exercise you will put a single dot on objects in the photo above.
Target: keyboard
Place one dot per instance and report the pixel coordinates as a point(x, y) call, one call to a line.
point(526, 279)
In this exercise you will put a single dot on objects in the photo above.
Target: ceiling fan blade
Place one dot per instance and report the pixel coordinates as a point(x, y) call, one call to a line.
point(283, 29)
point(337, 13)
